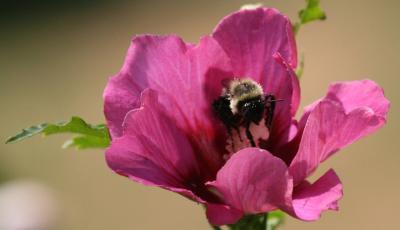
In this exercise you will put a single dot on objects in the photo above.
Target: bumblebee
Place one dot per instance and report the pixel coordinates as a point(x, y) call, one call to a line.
point(242, 103)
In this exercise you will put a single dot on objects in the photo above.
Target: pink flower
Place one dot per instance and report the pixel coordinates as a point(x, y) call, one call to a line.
point(166, 134)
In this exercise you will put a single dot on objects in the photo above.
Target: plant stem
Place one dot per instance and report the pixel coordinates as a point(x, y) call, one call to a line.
point(251, 222)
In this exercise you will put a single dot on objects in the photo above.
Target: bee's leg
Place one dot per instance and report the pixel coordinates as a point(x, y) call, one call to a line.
point(249, 135)
point(229, 128)
point(270, 102)
point(239, 134)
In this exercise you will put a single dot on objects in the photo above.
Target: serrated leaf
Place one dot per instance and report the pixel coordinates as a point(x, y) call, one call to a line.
point(312, 12)
point(90, 136)
point(86, 142)
point(275, 219)
point(28, 132)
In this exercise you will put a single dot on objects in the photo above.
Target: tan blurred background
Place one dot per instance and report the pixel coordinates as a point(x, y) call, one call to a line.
point(56, 57)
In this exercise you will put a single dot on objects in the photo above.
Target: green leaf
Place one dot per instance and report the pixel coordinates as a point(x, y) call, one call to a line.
point(25, 133)
point(250, 222)
point(268, 221)
point(89, 136)
point(312, 12)
point(275, 219)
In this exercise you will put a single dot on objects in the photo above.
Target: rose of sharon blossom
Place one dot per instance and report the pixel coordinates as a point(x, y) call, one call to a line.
point(165, 133)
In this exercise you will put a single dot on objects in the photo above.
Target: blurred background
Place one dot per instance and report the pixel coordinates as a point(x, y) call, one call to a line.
point(56, 57)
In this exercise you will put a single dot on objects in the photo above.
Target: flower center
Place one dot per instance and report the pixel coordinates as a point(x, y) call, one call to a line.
point(238, 139)
point(246, 112)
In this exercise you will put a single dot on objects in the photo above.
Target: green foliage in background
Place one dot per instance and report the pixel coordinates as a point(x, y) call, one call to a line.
point(275, 219)
point(251, 222)
point(89, 136)
point(268, 221)
point(312, 12)
point(300, 68)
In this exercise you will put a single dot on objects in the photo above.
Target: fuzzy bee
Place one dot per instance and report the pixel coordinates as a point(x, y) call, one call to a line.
point(243, 102)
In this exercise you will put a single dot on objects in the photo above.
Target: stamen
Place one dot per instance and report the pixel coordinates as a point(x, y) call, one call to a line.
point(235, 142)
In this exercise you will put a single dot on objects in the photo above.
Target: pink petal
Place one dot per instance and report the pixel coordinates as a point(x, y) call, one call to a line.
point(175, 69)
point(353, 94)
point(356, 94)
point(261, 46)
point(310, 200)
point(254, 181)
point(285, 86)
point(295, 86)
point(251, 37)
point(218, 214)
point(334, 123)
point(153, 151)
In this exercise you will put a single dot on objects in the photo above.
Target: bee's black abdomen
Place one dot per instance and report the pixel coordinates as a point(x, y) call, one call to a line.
point(252, 109)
